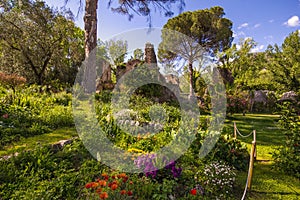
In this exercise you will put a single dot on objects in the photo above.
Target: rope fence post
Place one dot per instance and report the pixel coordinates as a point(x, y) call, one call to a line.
point(252, 158)
point(234, 130)
point(254, 139)
point(251, 164)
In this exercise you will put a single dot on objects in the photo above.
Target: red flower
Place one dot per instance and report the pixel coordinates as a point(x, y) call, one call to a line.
point(103, 195)
point(88, 185)
point(114, 186)
point(125, 179)
point(193, 192)
point(91, 185)
point(102, 183)
point(99, 190)
point(129, 193)
point(123, 192)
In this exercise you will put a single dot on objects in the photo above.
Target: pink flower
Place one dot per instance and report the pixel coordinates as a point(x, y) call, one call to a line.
point(5, 116)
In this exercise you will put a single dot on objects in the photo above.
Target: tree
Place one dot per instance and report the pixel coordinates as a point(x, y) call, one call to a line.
point(39, 43)
point(117, 50)
point(138, 54)
point(285, 62)
point(249, 69)
point(203, 32)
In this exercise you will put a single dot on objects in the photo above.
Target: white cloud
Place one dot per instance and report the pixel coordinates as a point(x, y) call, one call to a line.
point(271, 20)
point(244, 25)
point(269, 37)
point(257, 49)
point(257, 25)
point(241, 33)
point(293, 21)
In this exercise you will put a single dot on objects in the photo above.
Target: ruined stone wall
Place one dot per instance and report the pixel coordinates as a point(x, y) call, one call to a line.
point(150, 56)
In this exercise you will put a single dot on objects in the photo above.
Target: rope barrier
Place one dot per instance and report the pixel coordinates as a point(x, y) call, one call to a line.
point(252, 158)
point(244, 136)
point(236, 130)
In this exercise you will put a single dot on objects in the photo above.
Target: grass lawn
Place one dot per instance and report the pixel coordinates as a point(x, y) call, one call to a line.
point(44, 139)
point(267, 183)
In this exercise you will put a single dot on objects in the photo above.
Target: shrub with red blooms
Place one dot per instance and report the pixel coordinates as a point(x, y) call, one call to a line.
point(11, 80)
point(115, 186)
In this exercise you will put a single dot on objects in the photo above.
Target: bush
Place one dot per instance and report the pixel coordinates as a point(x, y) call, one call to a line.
point(287, 159)
point(231, 151)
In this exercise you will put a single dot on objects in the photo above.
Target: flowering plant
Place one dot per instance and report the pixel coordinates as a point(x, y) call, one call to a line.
point(148, 163)
point(116, 186)
point(219, 179)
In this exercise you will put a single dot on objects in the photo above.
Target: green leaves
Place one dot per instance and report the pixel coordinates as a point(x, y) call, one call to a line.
point(39, 43)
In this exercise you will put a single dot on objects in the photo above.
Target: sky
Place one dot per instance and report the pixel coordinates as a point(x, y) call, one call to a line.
point(266, 21)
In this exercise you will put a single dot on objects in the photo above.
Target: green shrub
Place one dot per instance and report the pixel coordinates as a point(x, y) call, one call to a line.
point(231, 151)
point(287, 158)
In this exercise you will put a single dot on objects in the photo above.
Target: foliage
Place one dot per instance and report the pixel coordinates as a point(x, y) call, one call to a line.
point(231, 151)
point(284, 62)
point(288, 157)
point(58, 175)
point(236, 104)
point(117, 50)
point(45, 45)
point(25, 113)
point(198, 33)
point(248, 68)
point(138, 54)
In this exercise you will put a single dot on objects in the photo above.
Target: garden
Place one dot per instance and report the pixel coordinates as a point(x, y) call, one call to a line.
point(71, 172)
point(50, 148)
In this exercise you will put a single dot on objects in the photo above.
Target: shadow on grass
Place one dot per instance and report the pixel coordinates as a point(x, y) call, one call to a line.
point(267, 130)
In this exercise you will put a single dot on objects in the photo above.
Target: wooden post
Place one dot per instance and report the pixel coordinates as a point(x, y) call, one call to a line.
point(254, 139)
point(234, 129)
point(251, 164)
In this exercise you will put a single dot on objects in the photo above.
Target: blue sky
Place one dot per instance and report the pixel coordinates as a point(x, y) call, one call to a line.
point(266, 21)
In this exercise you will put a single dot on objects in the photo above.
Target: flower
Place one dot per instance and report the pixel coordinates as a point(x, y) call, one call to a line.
point(5, 116)
point(122, 175)
point(88, 185)
point(91, 185)
point(129, 193)
point(105, 176)
point(114, 186)
point(123, 192)
point(102, 182)
point(103, 195)
point(99, 190)
point(193, 191)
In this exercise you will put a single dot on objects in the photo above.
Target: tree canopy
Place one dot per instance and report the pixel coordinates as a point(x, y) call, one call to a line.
point(195, 34)
point(40, 43)
point(285, 62)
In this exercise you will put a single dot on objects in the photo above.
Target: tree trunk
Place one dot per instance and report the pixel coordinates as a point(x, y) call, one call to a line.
point(90, 44)
point(191, 70)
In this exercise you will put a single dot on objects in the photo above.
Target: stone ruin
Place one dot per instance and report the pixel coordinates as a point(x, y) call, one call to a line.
point(105, 82)
point(150, 56)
